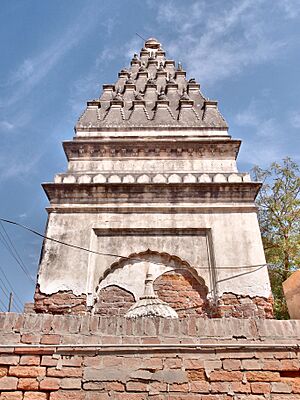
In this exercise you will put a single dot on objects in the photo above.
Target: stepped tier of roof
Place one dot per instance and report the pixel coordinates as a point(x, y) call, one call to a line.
point(152, 93)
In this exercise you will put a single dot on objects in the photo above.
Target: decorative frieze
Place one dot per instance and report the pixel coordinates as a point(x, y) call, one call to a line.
point(221, 149)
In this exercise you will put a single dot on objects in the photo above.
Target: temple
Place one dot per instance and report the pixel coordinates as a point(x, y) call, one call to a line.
point(152, 216)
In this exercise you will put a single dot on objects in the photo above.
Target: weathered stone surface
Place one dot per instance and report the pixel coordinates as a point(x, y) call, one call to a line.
point(105, 374)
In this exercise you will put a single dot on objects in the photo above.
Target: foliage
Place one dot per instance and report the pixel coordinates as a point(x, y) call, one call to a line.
point(279, 217)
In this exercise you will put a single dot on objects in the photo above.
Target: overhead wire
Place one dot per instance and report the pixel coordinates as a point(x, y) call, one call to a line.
point(110, 254)
point(16, 297)
point(11, 249)
point(3, 305)
point(7, 295)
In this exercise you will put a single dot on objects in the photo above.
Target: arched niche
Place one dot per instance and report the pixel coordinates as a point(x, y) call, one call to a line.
point(129, 274)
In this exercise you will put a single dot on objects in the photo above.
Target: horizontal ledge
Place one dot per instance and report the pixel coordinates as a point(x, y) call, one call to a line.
point(136, 208)
point(159, 346)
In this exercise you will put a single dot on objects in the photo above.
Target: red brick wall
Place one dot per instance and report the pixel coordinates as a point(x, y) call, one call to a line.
point(173, 372)
point(59, 303)
point(113, 300)
point(179, 288)
point(183, 292)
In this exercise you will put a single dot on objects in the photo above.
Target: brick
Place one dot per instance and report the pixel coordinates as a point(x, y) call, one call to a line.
point(281, 387)
point(193, 364)
point(199, 387)
point(75, 361)
point(231, 365)
point(67, 372)
point(30, 338)
point(8, 383)
point(116, 386)
point(111, 361)
point(151, 363)
point(50, 339)
point(156, 387)
point(3, 371)
point(34, 396)
point(211, 365)
point(260, 388)
point(251, 364)
point(240, 387)
point(130, 396)
point(70, 383)
point(34, 350)
point(196, 374)
point(30, 360)
point(95, 386)
point(97, 396)
point(11, 396)
point(136, 386)
point(28, 384)
point(50, 384)
point(220, 387)
point(271, 365)
point(174, 362)
point(69, 395)
point(290, 365)
point(263, 376)
point(226, 376)
point(9, 360)
point(179, 387)
point(48, 361)
point(27, 372)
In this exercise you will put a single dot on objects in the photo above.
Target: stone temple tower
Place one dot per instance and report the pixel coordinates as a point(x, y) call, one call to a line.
point(152, 189)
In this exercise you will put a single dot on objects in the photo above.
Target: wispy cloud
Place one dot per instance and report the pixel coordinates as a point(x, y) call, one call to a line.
point(34, 69)
point(6, 125)
point(228, 39)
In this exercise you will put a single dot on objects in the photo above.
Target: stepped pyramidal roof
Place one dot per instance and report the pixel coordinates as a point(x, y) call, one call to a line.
point(153, 92)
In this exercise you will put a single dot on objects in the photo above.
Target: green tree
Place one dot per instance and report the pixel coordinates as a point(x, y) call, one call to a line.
point(279, 218)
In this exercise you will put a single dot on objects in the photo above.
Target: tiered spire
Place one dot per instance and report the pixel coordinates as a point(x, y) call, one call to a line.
point(152, 92)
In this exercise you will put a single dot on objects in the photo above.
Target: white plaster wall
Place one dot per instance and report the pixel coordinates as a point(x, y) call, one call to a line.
point(236, 241)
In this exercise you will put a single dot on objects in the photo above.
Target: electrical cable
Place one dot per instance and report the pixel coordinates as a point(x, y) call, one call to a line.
point(17, 256)
point(74, 246)
point(11, 287)
point(4, 306)
point(7, 295)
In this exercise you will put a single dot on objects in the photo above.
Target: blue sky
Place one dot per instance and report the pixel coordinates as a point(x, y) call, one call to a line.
point(56, 54)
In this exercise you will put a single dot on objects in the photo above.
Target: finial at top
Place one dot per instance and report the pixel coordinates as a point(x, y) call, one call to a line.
point(152, 43)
